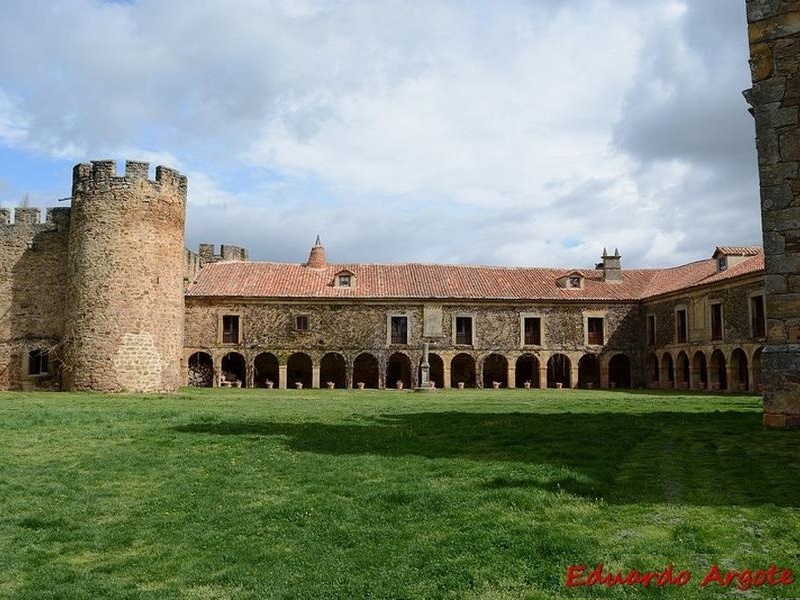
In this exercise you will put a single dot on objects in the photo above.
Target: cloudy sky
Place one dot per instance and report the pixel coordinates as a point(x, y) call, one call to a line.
point(530, 132)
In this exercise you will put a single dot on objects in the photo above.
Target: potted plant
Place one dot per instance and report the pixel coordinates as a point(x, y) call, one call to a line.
point(496, 385)
point(360, 385)
point(237, 383)
point(331, 385)
point(269, 384)
point(298, 385)
point(460, 385)
point(527, 385)
point(559, 385)
point(399, 384)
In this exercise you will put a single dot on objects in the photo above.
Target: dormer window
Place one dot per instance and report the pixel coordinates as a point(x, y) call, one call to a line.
point(722, 263)
point(574, 282)
point(571, 281)
point(344, 279)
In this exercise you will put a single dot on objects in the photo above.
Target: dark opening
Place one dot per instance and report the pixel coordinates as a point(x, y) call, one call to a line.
point(464, 330)
point(619, 371)
point(365, 370)
point(398, 369)
point(594, 326)
point(201, 370)
point(230, 329)
point(588, 371)
point(399, 326)
point(716, 321)
point(758, 316)
point(462, 370)
point(38, 361)
point(495, 368)
point(234, 368)
point(558, 371)
point(533, 331)
point(527, 370)
point(333, 369)
point(298, 370)
point(265, 369)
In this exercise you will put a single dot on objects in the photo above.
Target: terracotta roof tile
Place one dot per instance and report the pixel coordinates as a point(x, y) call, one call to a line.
point(443, 282)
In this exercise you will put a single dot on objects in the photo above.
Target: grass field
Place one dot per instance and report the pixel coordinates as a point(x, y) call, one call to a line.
point(334, 494)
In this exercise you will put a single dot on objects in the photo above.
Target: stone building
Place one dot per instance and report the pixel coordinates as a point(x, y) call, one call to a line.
point(104, 296)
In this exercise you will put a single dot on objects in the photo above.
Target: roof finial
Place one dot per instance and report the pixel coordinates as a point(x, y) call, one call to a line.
point(318, 242)
point(616, 252)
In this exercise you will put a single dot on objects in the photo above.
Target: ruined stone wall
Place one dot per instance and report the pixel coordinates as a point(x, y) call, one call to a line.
point(32, 284)
point(124, 303)
point(774, 34)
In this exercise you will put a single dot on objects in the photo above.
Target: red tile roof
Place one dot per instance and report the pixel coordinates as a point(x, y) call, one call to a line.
point(443, 282)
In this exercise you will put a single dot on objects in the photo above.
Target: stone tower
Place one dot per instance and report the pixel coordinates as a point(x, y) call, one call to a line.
point(774, 34)
point(124, 309)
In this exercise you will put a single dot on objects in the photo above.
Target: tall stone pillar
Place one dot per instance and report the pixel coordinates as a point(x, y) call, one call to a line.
point(774, 34)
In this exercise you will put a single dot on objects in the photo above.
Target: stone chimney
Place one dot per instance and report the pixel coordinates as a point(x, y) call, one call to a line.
point(316, 260)
point(612, 269)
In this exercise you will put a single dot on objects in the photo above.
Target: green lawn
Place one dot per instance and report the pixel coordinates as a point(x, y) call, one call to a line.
point(333, 494)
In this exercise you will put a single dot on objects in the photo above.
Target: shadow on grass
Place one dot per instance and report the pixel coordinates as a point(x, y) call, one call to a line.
point(719, 458)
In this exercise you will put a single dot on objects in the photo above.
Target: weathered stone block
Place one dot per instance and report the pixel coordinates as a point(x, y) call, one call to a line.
point(762, 9)
point(774, 421)
point(778, 173)
point(761, 64)
point(790, 145)
point(767, 91)
point(777, 196)
point(772, 28)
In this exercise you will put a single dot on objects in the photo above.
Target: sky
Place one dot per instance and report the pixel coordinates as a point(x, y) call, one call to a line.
point(520, 133)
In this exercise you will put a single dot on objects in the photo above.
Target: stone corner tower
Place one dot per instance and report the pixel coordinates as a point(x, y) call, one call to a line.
point(124, 308)
point(774, 35)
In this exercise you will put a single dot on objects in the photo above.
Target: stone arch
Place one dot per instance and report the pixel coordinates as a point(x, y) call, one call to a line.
point(299, 368)
point(201, 370)
point(527, 370)
point(667, 370)
point(619, 371)
point(589, 371)
point(437, 370)
point(700, 370)
point(265, 368)
point(717, 371)
point(495, 368)
point(234, 368)
point(462, 369)
point(398, 369)
point(682, 370)
point(333, 368)
point(653, 371)
point(740, 377)
point(559, 370)
point(758, 385)
point(366, 370)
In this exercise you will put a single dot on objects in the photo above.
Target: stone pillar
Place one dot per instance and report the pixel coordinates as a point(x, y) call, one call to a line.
point(574, 375)
point(446, 375)
point(543, 377)
point(512, 375)
point(282, 377)
point(315, 377)
point(774, 34)
point(733, 385)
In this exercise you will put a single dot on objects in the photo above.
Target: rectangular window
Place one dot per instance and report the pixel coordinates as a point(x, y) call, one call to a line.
point(532, 331)
point(38, 362)
point(230, 329)
point(716, 321)
point(681, 326)
point(301, 322)
point(758, 317)
point(594, 329)
point(345, 281)
point(399, 333)
point(464, 330)
point(651, 330)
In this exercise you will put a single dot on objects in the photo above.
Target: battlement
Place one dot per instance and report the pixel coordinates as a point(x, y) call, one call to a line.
point(25, 216)
point(226, 253)
point(103, 173)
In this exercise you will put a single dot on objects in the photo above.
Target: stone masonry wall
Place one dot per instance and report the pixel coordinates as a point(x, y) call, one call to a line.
point(124, 305)
point(32, 284)
point(774, 35)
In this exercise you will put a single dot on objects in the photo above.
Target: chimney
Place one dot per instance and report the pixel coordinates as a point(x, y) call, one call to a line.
point(612, 269)
point(316, 260)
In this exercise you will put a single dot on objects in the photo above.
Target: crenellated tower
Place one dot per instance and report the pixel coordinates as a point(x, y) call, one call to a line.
point(124, 309)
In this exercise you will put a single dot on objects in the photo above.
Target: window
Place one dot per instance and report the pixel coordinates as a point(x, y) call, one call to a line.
point(574, 282)
point(722, 263)
point(301, 322)
point(651, 330)
point(532, 331)
point(594, 330)
point(345, 280)
point(716, 321)
point(398, 330)
point(38, 361)
point(230, 329)
point(464, 330)
point(758, 321)
point(681, 326)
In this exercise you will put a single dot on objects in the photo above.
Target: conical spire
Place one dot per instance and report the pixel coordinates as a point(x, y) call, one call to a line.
point(316, 259)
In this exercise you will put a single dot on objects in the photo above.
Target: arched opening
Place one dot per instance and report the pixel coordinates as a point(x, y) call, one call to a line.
point(398, 370)
point(365, 370)
point(333, 369)
point(619, 371)
point(234, 369)
point(682, 370)
point(437, 370)
point(653, 371)
point(201, 370)
point(462, 370)
point(758, 386)
point(719, 376)
point(559, 371)
point(589, 371)
point(700, 370)
point(739, 374)
point(527, 370)
point(298, 369)
point(667, 370)
point(265, 369)
point(495, 369)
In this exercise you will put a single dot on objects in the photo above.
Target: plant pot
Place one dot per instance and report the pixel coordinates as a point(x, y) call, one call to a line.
point(225, 384)
point(269, 385)
point(495, 385)
point(559, 385)
point(460, 385)
point(360, 385)
point(331, 385)
point(399, 385)
point(298, 385)
point(527, 385)
point(589, 385)
point(237, 384)
point(431, 384)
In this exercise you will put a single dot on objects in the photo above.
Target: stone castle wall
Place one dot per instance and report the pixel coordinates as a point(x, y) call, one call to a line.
point(124, 300)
